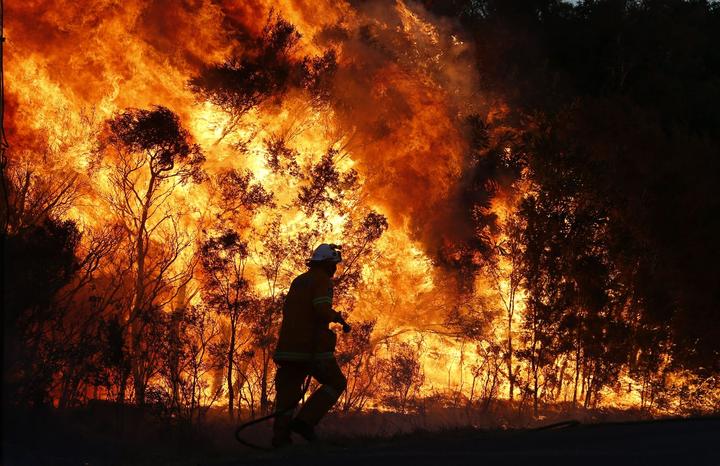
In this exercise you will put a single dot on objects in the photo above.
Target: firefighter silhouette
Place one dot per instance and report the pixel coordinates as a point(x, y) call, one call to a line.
point(306, 348)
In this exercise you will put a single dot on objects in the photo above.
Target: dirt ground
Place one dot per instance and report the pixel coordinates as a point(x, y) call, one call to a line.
point(670, 442)
point(662, 442)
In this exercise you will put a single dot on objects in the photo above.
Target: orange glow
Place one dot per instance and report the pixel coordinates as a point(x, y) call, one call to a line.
point(399, 99)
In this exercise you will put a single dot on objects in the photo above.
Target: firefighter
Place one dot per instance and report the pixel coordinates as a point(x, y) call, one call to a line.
point(306, 347)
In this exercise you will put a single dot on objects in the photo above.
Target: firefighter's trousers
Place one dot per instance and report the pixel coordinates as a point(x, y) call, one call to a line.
point(288, 387)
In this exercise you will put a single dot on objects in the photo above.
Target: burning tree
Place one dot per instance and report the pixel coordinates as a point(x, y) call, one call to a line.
point(224, 259)
point(263, 70)
point(357, 356)
point(188, 361)
point(403, 374)
point(150, 156)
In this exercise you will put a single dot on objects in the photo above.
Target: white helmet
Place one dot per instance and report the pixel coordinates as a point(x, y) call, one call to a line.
point(327, 252)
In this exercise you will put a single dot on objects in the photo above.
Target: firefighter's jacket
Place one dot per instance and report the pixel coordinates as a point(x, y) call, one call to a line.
point(304, 332)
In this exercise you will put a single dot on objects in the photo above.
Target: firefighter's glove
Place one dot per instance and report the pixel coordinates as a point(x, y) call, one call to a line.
point(339, 319)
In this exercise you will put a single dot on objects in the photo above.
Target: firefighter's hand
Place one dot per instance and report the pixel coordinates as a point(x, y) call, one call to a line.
point(345, 326)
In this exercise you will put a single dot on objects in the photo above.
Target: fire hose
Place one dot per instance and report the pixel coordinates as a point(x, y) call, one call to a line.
point(245, 425)
point(346, 329)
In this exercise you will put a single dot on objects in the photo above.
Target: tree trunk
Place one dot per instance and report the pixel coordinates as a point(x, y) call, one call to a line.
point(138, 299)
point(588, 392)
point(472, 390)
point(511, 378)
point(230, 358)
point(492, 389)
point(535, 385)
point(264, 402)
point(577, 372)
point(123, 386)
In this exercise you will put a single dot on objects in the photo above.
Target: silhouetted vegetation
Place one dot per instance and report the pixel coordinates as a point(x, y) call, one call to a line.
point(615, 137)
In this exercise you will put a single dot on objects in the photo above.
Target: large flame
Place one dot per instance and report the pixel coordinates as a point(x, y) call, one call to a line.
point(405, 81)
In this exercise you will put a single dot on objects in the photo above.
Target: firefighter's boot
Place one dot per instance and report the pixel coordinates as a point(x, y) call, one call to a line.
point(281, 430)
point(305, 430)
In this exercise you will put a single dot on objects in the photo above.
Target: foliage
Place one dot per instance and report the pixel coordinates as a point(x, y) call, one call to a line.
point(402, 375)
point(589, 200)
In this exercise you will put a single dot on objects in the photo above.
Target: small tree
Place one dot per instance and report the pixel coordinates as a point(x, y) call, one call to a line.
point(505, 271)
point(403, 375)
point(189, 359)
point(226, 290)
point(357, 357)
